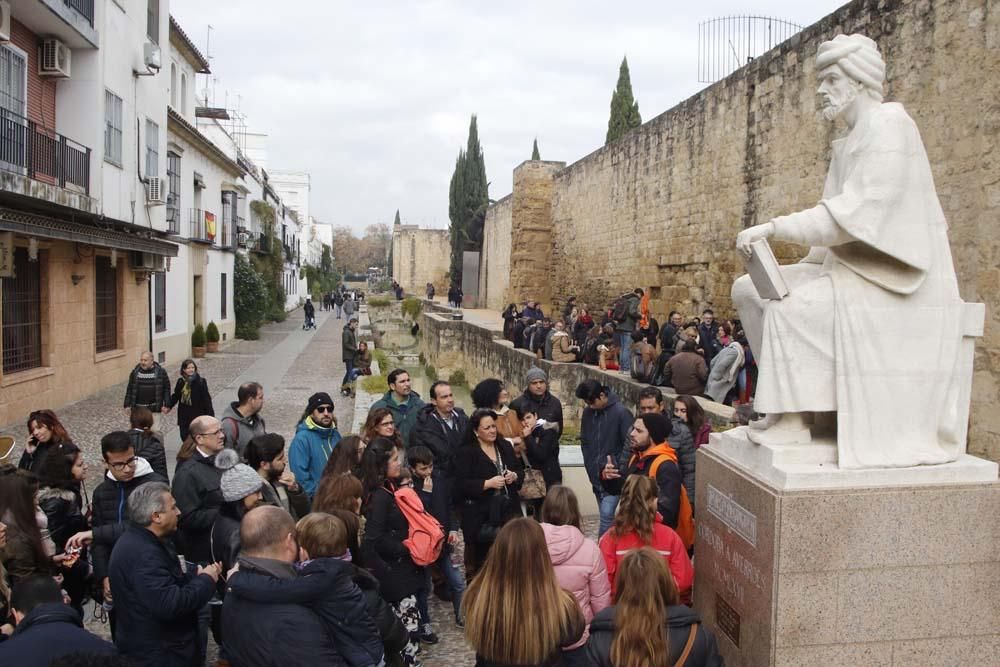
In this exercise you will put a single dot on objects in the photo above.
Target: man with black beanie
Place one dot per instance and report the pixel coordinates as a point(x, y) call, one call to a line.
point(652, 455)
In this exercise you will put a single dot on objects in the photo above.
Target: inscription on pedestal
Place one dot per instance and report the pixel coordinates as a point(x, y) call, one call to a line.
point(728, 511)
point(728, 619)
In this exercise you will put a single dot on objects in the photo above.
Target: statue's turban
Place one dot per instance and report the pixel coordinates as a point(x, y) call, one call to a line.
point(857, 55)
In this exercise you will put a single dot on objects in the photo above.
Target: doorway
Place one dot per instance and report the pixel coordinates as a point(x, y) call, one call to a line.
point(196, 301)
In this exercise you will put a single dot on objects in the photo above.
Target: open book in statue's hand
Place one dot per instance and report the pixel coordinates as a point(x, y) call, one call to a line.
point(763, 269)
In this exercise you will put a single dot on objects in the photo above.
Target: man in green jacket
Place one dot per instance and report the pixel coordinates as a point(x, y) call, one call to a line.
point(403, 402)
point(349, 344)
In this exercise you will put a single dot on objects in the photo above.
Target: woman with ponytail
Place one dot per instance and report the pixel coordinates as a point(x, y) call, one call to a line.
point(647, 627)
point(637, 525)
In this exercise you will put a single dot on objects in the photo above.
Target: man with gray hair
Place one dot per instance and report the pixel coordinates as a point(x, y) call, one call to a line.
point(156, 598)
point(877, 286)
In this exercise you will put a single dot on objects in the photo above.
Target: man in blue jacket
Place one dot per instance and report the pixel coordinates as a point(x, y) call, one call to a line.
point(315, 437)
point(46, 628)
point(157, 599)
point(604, 433)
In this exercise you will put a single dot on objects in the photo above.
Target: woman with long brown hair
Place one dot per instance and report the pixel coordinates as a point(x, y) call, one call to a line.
point(345, 458)
point(380, 424)
point(636, 526)
point(45, 431)
point(515, 612)
point(25, 553)
point(648, 627)
point(338, 492)
point(688, 411)
point(147, 443)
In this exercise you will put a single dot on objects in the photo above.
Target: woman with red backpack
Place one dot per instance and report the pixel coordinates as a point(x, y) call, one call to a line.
point(386, 530)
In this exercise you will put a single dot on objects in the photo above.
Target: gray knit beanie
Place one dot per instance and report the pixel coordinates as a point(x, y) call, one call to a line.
point(238, 479)
point(536, 373)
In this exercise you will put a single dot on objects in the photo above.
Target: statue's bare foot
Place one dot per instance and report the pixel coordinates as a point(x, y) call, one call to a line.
point(784, 429)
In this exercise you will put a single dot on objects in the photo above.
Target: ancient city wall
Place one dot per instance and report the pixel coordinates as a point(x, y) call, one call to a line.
point(494, 266)
point(420, 256)
point(661, 207)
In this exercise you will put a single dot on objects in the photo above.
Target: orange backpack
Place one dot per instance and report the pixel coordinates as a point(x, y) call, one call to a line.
point(426, 536)
point(685, 517)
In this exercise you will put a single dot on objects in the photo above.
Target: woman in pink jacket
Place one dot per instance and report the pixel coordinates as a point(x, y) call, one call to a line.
point(578, 563)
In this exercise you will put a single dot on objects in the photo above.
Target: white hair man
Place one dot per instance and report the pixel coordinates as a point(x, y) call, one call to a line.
point(876, 293)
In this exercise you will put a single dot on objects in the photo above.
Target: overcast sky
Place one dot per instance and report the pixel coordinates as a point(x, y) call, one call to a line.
point(374, 99)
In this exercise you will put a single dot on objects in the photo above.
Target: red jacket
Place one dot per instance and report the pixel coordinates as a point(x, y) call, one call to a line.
point(665, 541)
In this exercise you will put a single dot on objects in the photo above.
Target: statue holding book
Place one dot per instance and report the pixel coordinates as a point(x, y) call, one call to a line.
point(871, 326)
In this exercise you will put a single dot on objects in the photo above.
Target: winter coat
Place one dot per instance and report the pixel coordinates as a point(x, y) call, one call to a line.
point(485, 507)
point(672, 503)
point(309, 451)
point(161, 386)
point(262, 632)
point(708, 335)
point(579, 567)
point(681, 440)
point(156, 603)
point(562, 347)
point(542, 450)
point(605, 433)
point(667, 542)
point(581, 328)
point(279, 495)
point(433, 433)
point(149, 446)
point(201, 402)
point(668, 339)
point(309, 309)
point(392, 631)
point(532, 313)
point(549, 341)
point(508, 425)
point(108, 518)
point(384, 552)
point(632, 314)
point(349, 344)
point(19, 558)
point(437, 501)
point(701, 437)
point(33, 462)
point(196, 490)
point(403, 414)
point(349, 307)
point(240, 430)
point(546, 406)
point(47, 632)
point(63, 509)
point(224, 545)
point(686, 372)
point(680, 620)
point(326, 586)
point(723, 371)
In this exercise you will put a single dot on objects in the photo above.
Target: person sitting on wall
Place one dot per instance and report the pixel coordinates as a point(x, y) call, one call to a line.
point(643, 358)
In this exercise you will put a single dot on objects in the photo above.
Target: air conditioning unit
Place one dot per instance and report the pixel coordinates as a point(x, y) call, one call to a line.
point(151, 56)
point(4, 21)
point(155, 192)
point(54, 59)
point(146, 261)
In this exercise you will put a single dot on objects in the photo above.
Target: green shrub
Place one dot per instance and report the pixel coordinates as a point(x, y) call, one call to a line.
point(198, 336)
point(382, 358)
point(249, 298)
point(374, 384)
point(411, 307)
point(212, 333)
point(377, 302)
point(457, 378)
point(431, 373)
point(570, 434)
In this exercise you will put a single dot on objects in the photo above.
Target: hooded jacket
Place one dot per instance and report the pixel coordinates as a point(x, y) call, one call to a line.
point(683, 443)
point(149, 445)
point(665, 541)
point(542, 451)
point(562, 345)
point(605, 433)
point(108, 516)
point(349, 343)
point(404, 414)
point(240, 430)
point(309, 451)
point(580, 568)
point(546, 406)
point(47, 632)
point(679, 621)
point(431, 431)
point(63, 509)
point(196, 490)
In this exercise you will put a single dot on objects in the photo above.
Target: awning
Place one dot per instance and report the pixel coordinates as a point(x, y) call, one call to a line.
point(110, 236)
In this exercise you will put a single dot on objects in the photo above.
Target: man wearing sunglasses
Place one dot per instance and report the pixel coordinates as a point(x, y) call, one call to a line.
point(315, 437)
point(125, 473)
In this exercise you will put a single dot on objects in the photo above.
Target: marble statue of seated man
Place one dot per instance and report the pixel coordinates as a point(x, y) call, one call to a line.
point(871, 327)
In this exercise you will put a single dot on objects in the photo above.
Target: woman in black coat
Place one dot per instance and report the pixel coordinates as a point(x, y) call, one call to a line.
point(61, 497)
point(488, 476)
point(382, 546)
point(191, 397)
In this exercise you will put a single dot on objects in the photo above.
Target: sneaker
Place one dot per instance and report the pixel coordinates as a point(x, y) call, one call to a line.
point(427, 636)
point(460, 622)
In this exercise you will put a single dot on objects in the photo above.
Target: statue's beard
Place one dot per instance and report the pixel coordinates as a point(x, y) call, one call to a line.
point(835, 107)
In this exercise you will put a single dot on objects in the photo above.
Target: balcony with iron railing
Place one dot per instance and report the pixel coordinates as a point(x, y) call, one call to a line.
point(173, 215)
point(84, 8)
point(203, 225)
point(42, 154)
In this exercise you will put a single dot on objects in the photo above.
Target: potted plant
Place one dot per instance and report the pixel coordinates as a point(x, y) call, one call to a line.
point(212, 337)
point(198, 341)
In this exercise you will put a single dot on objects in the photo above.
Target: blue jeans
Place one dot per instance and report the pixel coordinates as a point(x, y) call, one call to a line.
point(625, 355)
point(340, 309)
point(606, 506)
point(349, 375)
point(455, 583)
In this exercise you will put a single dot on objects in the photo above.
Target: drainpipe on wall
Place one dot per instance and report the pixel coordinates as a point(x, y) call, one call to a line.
point(149, 314)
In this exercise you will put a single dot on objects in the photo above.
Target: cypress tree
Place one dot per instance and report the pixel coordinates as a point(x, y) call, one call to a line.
point(468, 197)
point(534, 151)
point(624, 108)
point(396, 221)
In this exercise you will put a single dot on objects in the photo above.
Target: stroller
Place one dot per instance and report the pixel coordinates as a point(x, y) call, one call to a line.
point(310, 323)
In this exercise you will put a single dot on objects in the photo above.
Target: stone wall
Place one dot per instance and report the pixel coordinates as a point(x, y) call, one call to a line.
point(494, 268)
point(661, 207)
point(532, 232)
point(420, 256)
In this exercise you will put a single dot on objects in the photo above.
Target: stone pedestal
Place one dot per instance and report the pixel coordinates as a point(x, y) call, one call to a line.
point(800, 563)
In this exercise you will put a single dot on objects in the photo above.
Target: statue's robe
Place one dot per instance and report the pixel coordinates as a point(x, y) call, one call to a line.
point(871, 327)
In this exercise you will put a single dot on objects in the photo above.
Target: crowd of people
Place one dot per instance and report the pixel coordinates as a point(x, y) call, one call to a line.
point(339, 542)
point(697, 356)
